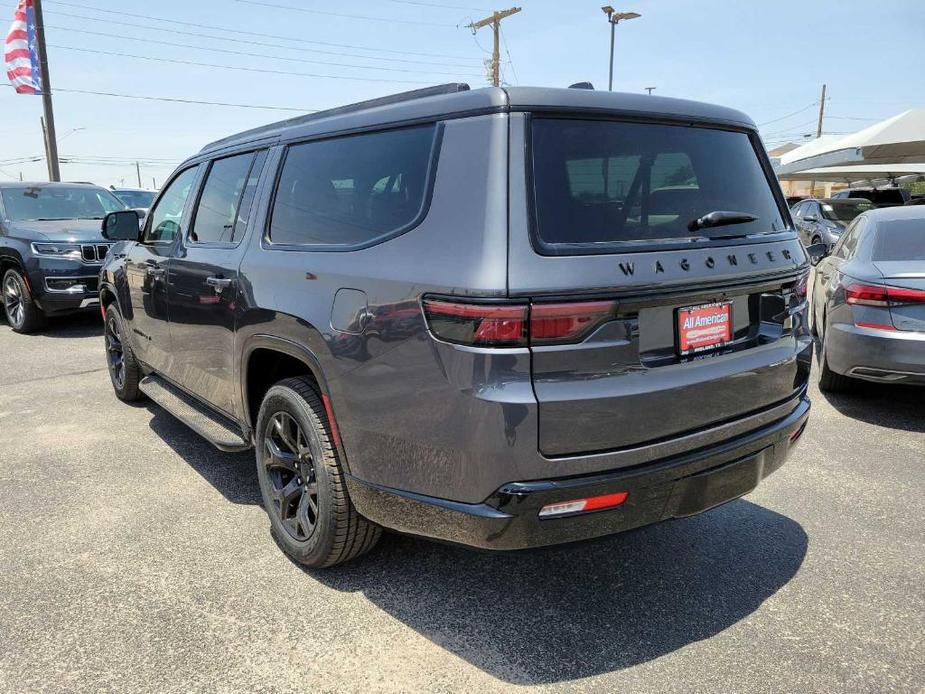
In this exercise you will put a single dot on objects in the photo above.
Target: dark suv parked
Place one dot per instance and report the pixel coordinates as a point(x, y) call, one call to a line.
point(51, 249)
point(502, 317)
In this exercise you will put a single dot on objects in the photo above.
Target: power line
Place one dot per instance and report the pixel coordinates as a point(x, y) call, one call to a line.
point(508, 53)
point(805, 108)
point(233, 67)
point(344, 16)
point(251, 55)
point(436, 5)
point(252, 42)
point(179, 100)
point(199, 25)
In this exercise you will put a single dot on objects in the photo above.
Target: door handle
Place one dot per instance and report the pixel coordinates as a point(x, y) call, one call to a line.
point(219, 283)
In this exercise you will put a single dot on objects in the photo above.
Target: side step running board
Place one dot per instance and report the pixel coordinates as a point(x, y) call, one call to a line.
point(209, 425)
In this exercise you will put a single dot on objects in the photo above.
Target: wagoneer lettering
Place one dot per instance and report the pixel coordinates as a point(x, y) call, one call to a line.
point(519, 329)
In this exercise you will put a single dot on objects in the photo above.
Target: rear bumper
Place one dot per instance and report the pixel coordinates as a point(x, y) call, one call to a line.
point(674, 487)
point(884, 356)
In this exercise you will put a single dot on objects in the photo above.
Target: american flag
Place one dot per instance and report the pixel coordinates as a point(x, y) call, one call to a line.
point(22, 61)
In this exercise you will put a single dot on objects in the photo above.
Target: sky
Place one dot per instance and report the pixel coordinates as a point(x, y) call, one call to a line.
point(768, 59)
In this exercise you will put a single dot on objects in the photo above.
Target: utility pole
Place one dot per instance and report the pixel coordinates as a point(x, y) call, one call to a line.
point(812, 183)
point(650, 89)
point(614, 18)
point(51, 143)
point(821, 113)
point(138, 171)
point(495, 21)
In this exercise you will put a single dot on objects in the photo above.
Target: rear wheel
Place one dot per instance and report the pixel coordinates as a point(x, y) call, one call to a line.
point(124, 371)
point(302, 482)
point(21, 311)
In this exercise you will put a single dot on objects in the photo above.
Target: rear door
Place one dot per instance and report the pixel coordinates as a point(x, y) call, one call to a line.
point(698, 326)
point(203, 287)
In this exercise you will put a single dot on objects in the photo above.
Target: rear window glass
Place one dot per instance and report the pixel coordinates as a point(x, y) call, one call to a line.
point(843, 211)
point(605, 182)
point(352, 191)
point(900, 240)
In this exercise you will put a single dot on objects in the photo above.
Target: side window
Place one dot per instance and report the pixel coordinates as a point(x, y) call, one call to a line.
point(164, 220)
point(353, 190)
point(798, 211)
point(848, 242)
point(224, 205)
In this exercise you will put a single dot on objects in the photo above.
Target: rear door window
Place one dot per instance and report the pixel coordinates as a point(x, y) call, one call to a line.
point(221, 215)
point(349, 192)
point(618, 183)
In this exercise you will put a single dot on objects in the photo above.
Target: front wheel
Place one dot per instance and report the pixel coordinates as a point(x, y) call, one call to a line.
point(22, 313)
point(124, 371)
point(302, 483)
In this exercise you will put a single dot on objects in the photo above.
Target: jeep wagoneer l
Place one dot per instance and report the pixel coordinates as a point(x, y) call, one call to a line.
point(500, 317)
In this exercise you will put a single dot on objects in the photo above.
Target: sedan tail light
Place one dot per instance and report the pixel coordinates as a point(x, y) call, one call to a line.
point(882, 295)
point(515, 325)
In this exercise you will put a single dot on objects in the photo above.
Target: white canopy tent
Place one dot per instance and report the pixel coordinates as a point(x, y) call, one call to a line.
point(897, 140)
point(870, 173)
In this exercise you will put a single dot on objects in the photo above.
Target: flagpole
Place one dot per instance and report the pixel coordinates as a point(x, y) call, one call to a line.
point(51, 142)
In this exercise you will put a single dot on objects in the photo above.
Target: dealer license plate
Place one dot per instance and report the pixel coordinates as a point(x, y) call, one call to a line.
point(704, 327)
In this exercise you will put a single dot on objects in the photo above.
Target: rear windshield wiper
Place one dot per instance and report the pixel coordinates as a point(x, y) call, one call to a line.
point(720, 218)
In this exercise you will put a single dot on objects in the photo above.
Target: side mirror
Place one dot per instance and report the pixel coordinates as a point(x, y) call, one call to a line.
point(817, 252)
point(121, 225)
point(810, 218)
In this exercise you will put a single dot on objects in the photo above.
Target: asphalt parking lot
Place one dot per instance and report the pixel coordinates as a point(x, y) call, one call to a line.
point(135, 557)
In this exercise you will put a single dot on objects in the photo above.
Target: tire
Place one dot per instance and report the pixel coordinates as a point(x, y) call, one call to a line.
point(124, 371)
point(830, 381)
point(302, 482)
point(22, 313)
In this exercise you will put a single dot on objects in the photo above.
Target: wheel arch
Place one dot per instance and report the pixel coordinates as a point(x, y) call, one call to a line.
point(268, 359)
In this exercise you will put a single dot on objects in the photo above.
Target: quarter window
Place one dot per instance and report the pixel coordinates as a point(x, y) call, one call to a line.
point(352, 191)
point(224, 206)
point(164, 220)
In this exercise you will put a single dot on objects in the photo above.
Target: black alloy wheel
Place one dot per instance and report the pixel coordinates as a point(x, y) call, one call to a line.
point(115, 352)
point(290, 469)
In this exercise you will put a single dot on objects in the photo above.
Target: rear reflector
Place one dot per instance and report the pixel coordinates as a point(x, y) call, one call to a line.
point(567, 322)
point(875, 326)
point(882, 295)
point(798, 433)
point(591, 503)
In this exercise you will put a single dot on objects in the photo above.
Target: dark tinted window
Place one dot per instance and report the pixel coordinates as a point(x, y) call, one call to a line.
point(900, 240)
point(611, 182)
point(221, 215)
point(352, 190)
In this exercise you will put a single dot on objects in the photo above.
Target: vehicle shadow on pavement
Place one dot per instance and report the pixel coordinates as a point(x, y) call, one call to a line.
point(232, 474)
point(559, 614)
point(893, 406)
point(77, 325)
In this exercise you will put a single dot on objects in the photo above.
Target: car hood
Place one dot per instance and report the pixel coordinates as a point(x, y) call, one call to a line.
point(75, 230)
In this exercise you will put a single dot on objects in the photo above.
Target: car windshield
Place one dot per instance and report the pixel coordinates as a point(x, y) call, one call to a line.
point(135, 198)
point(23, 203)
point(881, 196)
point(607, 182)
point(844, 211)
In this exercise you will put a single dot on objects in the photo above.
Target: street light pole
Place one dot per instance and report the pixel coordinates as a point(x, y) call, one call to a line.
point(614, 18)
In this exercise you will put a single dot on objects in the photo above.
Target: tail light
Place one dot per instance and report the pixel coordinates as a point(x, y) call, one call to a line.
point(882, 295)
point(484, 325)
point(515, 325)
point(567, 322)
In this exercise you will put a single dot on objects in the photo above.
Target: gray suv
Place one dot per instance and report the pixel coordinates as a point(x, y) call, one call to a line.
point(504, 318)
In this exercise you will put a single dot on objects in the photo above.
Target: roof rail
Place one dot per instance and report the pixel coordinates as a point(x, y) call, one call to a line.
point(438, 90)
